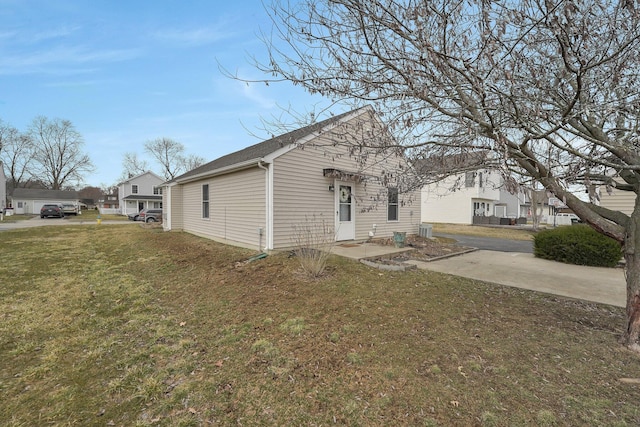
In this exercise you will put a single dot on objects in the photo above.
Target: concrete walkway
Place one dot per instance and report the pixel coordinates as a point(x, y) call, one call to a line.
point(520, 270)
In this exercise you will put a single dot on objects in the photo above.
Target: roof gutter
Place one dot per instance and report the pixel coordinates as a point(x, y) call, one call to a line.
point(227, 169)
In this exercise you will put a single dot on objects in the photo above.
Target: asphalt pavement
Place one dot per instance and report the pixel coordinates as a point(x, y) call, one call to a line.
point(491, 243)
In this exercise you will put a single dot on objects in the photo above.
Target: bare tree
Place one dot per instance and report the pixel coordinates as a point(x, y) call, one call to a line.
point(109, 190)
point(192, 161)
point(16, 153)
point(132, 166)
point(90, 193)
point(550, 90)
point(536, 200)
point(58, 157)
point(170, 156)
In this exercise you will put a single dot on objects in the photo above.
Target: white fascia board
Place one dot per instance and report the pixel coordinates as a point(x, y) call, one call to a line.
point(227, 169)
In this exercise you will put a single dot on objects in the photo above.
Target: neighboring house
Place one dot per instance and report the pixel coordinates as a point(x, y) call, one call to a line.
point(109, 204)
point(3, 189)
point(618, 200)
point(30, 200)
point(458, 198)
point(142, 191)
point(255, 197)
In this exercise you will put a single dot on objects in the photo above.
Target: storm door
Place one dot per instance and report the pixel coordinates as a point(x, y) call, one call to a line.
point(345, 211)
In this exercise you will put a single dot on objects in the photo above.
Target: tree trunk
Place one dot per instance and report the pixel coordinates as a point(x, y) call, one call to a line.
point(632, 257)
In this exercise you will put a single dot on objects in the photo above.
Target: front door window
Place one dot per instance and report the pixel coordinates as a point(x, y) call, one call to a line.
point(345, 203)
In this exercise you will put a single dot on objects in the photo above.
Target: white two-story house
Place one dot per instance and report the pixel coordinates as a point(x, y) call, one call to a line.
point(459, 198)
point(142, 191)
point(3, 189)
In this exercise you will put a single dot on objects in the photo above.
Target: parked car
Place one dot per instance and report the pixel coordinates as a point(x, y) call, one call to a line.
point(573, 217)
point(51, 209)
point(69, 209)
point(133, 216)
point(150, 215)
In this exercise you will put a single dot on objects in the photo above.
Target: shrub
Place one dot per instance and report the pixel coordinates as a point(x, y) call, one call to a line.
point(577, 244)
point(313, 240)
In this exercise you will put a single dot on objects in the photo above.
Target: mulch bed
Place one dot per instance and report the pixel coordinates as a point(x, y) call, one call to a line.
point(424, 249)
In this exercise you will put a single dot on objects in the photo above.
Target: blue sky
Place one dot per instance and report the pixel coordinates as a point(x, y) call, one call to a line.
point(125, 72)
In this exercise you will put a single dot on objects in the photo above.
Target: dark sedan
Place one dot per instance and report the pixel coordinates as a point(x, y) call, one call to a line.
point(49, 210)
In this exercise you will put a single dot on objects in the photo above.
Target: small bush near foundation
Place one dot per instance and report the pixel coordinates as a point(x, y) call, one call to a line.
point(577, 244)
point(313, 240)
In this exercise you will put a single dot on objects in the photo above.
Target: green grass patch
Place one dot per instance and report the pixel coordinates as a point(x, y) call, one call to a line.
point(96, 331)
point(16, 218)
point(92, 215)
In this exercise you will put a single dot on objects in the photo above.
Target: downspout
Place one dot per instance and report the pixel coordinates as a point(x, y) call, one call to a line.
point(267, 187)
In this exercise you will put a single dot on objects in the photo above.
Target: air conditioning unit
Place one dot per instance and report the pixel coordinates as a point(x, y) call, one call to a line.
point(425, 230)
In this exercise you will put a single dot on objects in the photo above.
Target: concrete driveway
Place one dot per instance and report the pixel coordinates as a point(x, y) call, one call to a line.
point(517, 269)
point(523, 270)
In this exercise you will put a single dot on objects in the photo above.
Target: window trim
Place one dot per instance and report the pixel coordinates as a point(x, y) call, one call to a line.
point(206, 214)
point(469, 179)
point(393, 204)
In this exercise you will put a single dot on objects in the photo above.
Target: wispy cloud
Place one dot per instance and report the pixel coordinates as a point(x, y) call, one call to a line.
point(75, 83)
point(47, 35)
point(193, 37)
point(251, 89)
point(8, 35)
point(61, 58)
point(252, 92)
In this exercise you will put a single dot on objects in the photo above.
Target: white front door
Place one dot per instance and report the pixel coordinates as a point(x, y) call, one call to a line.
point(345, 211)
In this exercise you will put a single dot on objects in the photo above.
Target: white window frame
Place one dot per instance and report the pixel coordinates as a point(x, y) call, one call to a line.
point(134, 188)
point(206, 214)
point(393, 204)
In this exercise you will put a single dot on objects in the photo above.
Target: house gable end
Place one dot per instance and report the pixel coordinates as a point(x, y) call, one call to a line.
point(267, 150)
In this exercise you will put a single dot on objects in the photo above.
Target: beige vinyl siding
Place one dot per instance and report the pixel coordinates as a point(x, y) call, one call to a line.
point(301, 189)
point(622, 201)
point(236, 207)
point(176, 206)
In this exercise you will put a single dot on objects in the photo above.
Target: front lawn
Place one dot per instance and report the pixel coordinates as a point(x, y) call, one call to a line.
point(116, 325)
point(92, 215)
point(502, 232)
point(16, 218)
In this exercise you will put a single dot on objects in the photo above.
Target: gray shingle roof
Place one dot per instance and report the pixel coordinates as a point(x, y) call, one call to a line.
point(261, 149)
point(38, 193)
point(141, 197)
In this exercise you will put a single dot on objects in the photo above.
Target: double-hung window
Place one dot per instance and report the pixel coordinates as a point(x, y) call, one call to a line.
point(205, 201)
point(470, 179)
point(392, 204)
point(134, 189)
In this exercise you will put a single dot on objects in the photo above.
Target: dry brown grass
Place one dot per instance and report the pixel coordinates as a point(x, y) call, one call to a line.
point(117, 325)
point(505, 232)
